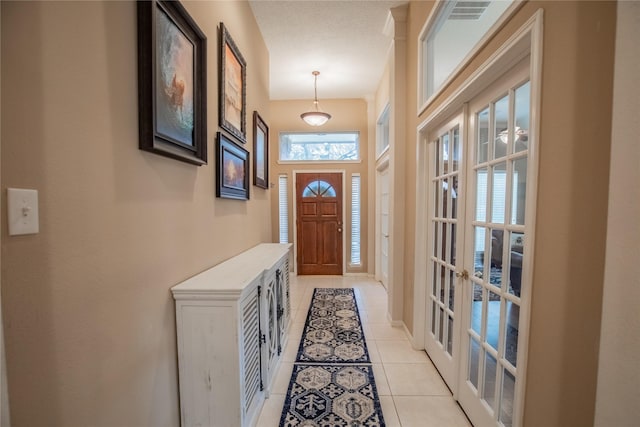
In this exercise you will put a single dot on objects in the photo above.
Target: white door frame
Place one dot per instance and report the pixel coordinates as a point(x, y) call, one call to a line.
point(525, 41)
point(294, 205)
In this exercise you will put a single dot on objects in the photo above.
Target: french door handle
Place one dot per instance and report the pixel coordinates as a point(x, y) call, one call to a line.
point(464, 274)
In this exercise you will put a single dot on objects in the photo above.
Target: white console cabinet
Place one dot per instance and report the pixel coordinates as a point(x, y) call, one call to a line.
point(232, 323)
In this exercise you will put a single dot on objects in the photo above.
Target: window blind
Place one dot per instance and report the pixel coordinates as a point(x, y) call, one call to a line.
point(283, 209)
point(355, 219)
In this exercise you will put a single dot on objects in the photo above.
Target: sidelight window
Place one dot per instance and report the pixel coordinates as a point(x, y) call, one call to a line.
point(283, 209)
point(355, 220)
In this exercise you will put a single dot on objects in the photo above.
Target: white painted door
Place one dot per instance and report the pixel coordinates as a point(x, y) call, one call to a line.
point(446, 167)
point(496, 230)
point(384, 225)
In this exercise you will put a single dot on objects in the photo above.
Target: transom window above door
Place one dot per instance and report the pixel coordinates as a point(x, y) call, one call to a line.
point(453, 32)
point(328, 146)
point(319, 188)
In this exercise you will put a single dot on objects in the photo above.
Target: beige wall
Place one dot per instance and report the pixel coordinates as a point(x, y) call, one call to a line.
point(572, 200)
point(347, 115)
point(418, 14)
point(4, 394)
point(619, 363)
point(88, 315)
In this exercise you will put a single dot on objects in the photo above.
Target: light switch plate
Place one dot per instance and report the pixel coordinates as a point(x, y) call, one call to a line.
point(23, 211)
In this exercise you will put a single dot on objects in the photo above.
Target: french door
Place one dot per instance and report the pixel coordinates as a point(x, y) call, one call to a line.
point(496, 232)
point(447, 208)
point(478, 177)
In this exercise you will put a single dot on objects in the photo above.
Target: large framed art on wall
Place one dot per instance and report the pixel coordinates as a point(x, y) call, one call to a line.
point(171, 82)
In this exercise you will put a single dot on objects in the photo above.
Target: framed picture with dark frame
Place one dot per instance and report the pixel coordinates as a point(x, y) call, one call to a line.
point(260, 152)
point(172, 83)
point(232, 178)
point(233, 87)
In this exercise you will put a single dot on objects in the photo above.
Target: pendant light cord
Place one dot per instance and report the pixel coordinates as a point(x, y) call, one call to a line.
point(315, 88)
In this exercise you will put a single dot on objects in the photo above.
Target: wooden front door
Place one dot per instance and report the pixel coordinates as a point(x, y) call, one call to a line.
point(319, 223)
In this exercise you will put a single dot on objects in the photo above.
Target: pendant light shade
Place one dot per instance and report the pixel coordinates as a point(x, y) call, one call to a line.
point(316, 117)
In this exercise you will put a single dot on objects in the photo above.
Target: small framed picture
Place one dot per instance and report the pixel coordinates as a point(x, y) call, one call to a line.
point(233, 87)
point(260, 152)
point(172, 72)
point(232, 179)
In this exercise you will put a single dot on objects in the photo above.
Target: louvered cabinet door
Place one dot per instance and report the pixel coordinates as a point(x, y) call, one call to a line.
point(284, 301)
point(251, 347)
point(270, 327)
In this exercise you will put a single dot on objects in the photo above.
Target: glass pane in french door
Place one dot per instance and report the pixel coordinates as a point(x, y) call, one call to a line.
point(444, 220)
point(499, 181)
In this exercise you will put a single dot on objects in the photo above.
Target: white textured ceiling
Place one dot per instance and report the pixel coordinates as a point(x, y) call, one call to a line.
point(343, 40)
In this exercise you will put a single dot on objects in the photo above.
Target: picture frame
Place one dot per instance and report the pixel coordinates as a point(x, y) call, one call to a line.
point(233, 87)
point(232, 177)
point(260, 152)
point(172, 83)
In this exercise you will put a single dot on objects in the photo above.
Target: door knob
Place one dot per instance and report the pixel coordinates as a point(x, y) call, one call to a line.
point(464, 274)
point(339, 230)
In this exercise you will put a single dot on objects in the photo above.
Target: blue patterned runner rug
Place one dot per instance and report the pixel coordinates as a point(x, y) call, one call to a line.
point(333, 331)
point(331, 396)
point(332, 384)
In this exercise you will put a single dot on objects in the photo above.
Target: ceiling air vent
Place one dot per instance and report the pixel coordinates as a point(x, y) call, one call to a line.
point(468, 10)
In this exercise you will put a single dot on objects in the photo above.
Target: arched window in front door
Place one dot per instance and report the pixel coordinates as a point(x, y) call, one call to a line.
point(319, 188)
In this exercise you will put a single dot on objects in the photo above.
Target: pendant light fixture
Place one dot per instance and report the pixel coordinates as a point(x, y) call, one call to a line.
point(317, 117)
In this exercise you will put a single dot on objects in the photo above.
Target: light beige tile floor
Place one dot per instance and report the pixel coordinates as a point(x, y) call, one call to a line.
point(412, 393)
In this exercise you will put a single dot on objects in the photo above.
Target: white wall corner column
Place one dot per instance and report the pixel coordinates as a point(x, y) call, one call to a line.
point(397, 159)
point(370, 186)
point(420, 271)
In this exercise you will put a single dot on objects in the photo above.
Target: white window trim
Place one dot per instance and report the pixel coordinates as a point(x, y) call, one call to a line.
point(315, 162)
point(386, 112)
point(428, 25)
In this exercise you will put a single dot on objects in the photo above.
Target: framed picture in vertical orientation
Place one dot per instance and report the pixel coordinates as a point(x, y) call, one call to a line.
point(260, 152)
point(232, 178)
point(233, 87)
point(171, 82)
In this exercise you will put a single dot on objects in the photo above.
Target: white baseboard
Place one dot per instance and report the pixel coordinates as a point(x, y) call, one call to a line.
point(401, 324)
